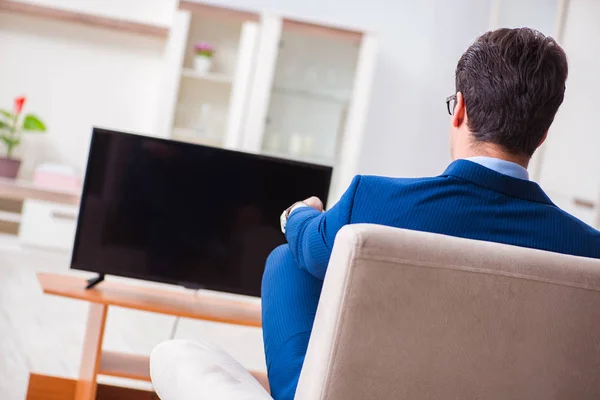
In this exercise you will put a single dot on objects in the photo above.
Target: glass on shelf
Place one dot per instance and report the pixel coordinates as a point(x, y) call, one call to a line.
point(314, 77)
point(296, 146)
point(202, 124)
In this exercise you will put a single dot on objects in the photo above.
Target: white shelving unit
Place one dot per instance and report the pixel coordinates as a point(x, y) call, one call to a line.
point(210, 77)
point(205, 108)
point(311, 92)
point(279, 87)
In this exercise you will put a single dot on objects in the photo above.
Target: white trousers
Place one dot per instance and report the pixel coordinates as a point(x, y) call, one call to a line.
point(185, 370)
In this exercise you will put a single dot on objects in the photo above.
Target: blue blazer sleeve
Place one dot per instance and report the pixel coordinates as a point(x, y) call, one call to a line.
point(311, 233)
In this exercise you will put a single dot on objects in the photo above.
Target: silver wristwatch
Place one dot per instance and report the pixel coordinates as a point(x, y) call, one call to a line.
point(286, 213)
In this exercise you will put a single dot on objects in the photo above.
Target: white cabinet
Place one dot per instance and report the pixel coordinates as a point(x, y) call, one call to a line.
point(311, 95)
point(278, 86)
point(48, 225)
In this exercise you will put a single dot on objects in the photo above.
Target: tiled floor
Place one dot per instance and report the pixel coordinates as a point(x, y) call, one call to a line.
point(44, 334)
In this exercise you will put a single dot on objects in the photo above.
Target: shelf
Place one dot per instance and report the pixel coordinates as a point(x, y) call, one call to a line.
point(45, 387)
point(11, 217)
point(318, 30)
point(192, 136)
point(311, 95)
point(123, 365)
point(212, 11)
point(210, 77)
point(184, 133)
point(132, 366)
point(204, 306)
point(83, 19)
point(327, 162)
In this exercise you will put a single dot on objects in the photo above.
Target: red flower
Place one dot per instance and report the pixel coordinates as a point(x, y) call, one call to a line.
point(19, 101)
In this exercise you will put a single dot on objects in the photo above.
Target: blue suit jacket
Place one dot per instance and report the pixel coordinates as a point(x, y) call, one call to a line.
point(467, 200)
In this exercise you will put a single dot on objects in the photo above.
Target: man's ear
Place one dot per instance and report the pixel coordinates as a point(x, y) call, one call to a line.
point(460, 111)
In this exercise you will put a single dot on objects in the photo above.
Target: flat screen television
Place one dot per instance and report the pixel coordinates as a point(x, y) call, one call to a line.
point(185, 214)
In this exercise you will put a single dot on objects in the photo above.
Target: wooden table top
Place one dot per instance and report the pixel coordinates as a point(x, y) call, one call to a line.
point(203, 306)
point(21, 190)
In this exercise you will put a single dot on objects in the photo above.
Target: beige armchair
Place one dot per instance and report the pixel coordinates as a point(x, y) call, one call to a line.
point(413, 315)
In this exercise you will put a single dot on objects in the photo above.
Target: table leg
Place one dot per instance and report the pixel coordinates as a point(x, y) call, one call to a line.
point(92, 350)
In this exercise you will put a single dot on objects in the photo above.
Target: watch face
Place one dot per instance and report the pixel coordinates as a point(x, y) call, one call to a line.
point(283, 221)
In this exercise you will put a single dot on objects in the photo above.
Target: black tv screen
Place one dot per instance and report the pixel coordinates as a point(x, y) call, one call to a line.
point(185, 214)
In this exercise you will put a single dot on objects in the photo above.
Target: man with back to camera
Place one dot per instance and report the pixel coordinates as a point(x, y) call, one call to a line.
point(509, 86)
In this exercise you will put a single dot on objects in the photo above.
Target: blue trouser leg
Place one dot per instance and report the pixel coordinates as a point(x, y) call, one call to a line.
point(290, 296)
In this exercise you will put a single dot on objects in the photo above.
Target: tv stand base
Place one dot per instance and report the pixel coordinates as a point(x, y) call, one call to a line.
point(94, 281)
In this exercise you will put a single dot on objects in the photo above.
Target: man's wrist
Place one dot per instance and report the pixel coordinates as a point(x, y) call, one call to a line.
point(286, 214)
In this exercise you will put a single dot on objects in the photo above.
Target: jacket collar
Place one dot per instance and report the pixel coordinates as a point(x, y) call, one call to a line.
point(492, 180)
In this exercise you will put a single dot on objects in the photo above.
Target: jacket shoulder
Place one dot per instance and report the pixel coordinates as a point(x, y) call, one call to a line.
point(371, 181)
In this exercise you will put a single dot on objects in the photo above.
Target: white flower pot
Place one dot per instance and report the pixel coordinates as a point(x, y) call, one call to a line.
point(202, 64)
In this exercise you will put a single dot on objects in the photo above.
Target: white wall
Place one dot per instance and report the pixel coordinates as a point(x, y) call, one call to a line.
point(537, 14)
point(571, 164)
point(158, 12)
point(75, 77)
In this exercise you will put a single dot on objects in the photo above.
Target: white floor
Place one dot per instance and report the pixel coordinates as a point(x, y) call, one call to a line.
point(44, 334)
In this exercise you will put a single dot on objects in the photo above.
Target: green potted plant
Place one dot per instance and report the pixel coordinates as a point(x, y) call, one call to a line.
point(12, 126)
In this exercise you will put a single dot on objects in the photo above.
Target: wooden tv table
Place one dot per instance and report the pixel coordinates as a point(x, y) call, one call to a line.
point(96, 362)
point(16, 189)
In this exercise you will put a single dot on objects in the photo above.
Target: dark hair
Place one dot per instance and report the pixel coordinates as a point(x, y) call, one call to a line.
point(513, 81)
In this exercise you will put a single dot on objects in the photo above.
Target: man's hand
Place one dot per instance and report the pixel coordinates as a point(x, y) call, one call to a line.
point(314, 202)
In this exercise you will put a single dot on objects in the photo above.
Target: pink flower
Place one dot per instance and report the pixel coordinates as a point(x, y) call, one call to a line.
point(204, 47)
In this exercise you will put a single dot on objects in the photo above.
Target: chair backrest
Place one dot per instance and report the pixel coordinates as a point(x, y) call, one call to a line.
point(413, 315)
